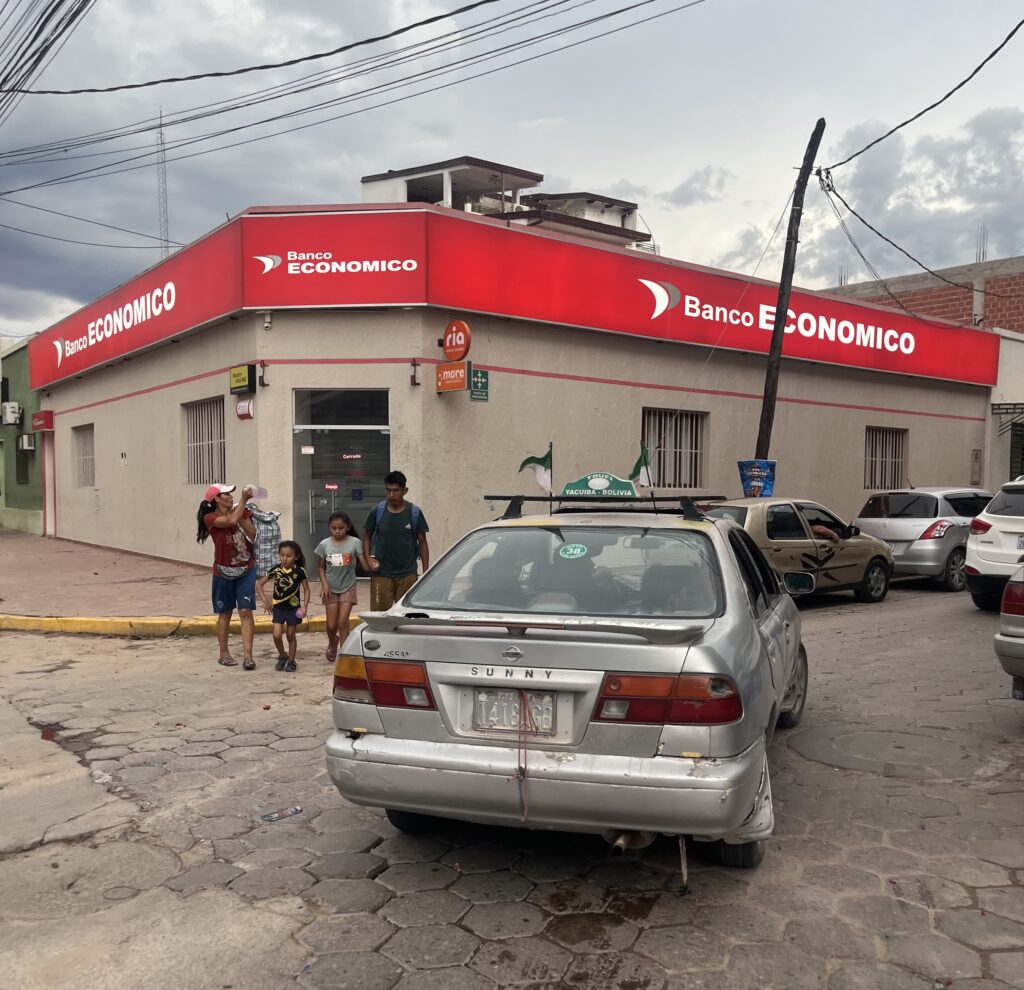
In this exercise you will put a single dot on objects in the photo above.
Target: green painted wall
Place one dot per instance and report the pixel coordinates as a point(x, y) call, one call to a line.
point(14, 367)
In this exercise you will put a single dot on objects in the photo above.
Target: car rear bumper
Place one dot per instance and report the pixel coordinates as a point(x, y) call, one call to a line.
point(1010, 650)
point(573, 792)
point(923, 557)
point(988, 584)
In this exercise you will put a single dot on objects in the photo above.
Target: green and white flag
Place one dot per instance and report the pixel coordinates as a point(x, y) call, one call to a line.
point(541, 468)
point(641, 473)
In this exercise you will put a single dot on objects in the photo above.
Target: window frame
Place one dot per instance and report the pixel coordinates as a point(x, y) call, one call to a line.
point(799, 517)
point(205, 456)
point(686, 464)
point(83, 464)
point(757, 595)
point(886, 452)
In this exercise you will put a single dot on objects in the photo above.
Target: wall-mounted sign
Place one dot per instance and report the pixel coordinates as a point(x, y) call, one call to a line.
point(601, 485)
point(351, 457)
point(453, 377)
point(307, 448)
point(245, 408)
point(242, 379)
point(479, 385)
point(330, 487)
point(456, 340)
point(998, 409)
point(42, 421)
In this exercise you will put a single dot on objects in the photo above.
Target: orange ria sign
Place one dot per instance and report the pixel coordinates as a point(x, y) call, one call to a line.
point(456, 341)
point(453, 377)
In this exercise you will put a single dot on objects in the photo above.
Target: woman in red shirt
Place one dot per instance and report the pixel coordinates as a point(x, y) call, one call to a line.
point(234, 562)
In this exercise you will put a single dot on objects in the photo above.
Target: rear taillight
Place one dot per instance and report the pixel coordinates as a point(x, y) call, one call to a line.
point(689, 699)
point(979, 526)
point(390, 683)
point(936, 530)
point(1013, 598)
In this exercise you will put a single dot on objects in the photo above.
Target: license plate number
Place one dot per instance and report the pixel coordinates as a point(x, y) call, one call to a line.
point(1020, 542)
point(503, 710)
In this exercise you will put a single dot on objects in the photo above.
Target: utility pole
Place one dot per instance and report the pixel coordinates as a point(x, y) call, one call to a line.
point(771, 375)
point(165, 242)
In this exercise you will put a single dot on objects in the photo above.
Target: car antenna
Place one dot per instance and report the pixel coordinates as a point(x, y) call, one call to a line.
point(910, 484)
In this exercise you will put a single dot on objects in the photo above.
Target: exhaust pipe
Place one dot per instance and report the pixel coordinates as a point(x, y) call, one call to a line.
point(623, 841)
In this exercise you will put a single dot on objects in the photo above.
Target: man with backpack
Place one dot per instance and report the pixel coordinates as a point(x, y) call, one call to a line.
point(394, 536)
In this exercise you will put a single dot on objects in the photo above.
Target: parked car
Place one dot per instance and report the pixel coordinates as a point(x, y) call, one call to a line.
point(792, 534)
point(613, 672)
point(926, 529)
point(995, 546)
point(1009, 641)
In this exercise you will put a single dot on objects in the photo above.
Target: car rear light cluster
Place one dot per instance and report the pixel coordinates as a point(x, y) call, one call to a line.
point(937, 530)
point(659, 699)
point(390, 683)
point(979, 526)
point(1013, 598)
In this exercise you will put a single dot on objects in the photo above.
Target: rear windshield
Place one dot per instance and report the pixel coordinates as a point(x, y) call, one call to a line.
point(576, 570)
point(737, 513)
point(1008, 502)
point(900, 505)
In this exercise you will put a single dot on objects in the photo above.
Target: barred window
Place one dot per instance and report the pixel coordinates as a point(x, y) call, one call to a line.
point(885, 457)
point(205, 461)
point(83, 446)
point(675, 446)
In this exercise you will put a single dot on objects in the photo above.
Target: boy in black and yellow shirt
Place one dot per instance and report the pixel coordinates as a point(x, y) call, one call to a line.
point(289, 580)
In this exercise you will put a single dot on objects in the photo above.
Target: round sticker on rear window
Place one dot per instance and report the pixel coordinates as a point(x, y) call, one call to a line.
point(572, 551)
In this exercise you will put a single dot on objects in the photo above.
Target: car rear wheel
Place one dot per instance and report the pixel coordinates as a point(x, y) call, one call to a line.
point(410, 822)
point(796, 694)
point(953, 577)
point(986, 601)
point(741, 855)
point(875, 585)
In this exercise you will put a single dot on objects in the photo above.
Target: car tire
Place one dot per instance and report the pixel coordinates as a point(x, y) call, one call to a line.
point(409, 822)
point(796, 695)
point(741, 855)
point(986, 601)
point(875, 585)
point(953, 576)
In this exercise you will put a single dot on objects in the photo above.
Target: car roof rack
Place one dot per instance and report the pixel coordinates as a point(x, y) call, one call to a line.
point(677, 505)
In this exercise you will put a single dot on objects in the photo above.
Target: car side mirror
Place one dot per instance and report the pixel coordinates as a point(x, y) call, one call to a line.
point(798, 582)
point(852, 531)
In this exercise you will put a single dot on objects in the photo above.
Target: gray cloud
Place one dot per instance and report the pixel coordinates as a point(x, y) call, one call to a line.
point(704, 186)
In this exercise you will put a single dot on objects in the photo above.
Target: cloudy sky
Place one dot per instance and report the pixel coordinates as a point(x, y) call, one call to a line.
point(700, 115)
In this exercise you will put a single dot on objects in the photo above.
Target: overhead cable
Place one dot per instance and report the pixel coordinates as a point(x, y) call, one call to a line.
point(69, 240)
point(96, 223)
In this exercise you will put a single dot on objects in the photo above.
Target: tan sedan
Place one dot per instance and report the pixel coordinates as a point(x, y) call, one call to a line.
point(796, 534)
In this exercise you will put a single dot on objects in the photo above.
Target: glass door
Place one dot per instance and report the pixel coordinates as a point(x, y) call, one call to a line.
point(342, 449)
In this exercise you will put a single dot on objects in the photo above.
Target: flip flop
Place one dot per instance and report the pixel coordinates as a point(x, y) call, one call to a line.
point(228, 661)
point(248, 664)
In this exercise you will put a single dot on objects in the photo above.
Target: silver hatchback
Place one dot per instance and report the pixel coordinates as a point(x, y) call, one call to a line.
point(926, 529)
point(611, 672)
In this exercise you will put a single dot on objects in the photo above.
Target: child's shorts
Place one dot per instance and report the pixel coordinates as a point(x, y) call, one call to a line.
point(342, 597)
point(284, 615)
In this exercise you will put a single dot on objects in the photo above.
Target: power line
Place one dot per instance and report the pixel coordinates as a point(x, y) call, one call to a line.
point(111, 169)
point(72, 216)
point(258, 68)
point(68, 240)
point(988, 58)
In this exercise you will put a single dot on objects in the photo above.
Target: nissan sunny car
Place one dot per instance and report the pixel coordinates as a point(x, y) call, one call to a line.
point(613, 672)
point(797, 534)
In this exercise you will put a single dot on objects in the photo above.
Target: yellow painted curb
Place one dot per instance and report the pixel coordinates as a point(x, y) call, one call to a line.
point(154, 627)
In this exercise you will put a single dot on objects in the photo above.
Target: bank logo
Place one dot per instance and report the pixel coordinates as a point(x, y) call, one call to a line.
point(59, 344)
point(666, 296)
point(270, 261)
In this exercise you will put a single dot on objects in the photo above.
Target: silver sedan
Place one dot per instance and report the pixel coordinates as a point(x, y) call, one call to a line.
point(608, 672)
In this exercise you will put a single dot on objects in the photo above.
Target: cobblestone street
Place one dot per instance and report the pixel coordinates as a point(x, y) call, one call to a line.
point(897, 864)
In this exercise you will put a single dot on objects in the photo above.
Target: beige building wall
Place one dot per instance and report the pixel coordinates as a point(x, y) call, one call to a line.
point(1009, 388)
point(584, 391)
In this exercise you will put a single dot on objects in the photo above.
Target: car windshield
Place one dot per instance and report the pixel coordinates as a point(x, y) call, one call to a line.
point(900, 505)
point(1007, 502)
point(576, 570)
point(737, 513)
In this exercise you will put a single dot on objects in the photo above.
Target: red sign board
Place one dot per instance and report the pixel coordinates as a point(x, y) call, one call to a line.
point(457, 339)
point(419, 255)
point(453, 377)
point(42, 421)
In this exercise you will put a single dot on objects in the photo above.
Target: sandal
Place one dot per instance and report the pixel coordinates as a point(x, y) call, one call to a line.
point(228, 661)
point(248, 664)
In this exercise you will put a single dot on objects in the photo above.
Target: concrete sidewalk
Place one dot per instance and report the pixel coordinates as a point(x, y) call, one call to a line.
point(51, 585)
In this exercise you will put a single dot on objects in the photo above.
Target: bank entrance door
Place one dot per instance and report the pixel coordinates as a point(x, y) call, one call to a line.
point(341, 441)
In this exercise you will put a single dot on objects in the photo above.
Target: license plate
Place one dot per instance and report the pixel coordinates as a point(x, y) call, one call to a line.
point(502, 710)
point(1020, 542)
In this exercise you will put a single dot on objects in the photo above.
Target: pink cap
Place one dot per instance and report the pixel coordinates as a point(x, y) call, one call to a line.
point(214, 490)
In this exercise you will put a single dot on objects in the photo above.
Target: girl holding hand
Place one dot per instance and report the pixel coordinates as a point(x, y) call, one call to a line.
point(336, 564)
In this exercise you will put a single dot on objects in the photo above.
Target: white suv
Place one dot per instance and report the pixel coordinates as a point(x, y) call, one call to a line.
point(995, 546)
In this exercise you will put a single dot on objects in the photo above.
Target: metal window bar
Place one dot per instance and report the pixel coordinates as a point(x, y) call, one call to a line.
point(884, 457)
point(205, 452)
point(675, 445)
point(85, 456)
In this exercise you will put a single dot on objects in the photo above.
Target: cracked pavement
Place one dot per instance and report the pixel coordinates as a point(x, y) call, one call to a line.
point(133, 850)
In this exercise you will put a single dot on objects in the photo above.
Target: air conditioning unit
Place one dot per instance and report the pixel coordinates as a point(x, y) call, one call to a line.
point(27, 442)
point(10, 413)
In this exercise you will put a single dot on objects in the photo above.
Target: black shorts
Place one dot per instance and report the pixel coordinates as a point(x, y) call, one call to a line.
point(284, 615)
